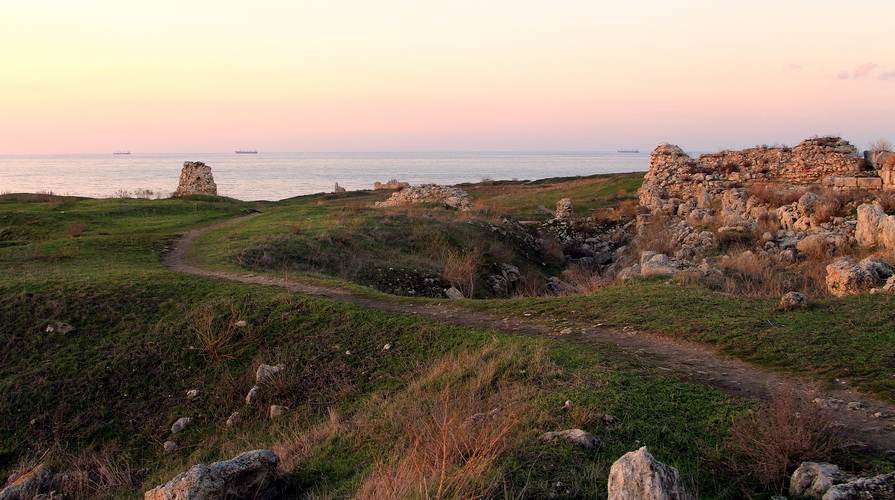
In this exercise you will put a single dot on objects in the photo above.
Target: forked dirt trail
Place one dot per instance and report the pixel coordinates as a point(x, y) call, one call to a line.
point(700, 363)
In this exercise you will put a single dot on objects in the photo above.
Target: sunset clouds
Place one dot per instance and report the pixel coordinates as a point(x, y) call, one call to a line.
point(867, 70)
point(343, 75)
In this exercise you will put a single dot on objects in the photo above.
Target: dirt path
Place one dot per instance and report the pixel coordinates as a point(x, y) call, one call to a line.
point(701, 363)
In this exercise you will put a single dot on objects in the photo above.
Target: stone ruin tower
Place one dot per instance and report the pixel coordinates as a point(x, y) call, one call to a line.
point(196, 178)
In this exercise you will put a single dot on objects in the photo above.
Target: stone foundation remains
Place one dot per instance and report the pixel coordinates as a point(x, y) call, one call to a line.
point(432, 193)
point(392, 184)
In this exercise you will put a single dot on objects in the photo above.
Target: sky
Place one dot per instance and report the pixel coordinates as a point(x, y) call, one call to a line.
point(95, 76)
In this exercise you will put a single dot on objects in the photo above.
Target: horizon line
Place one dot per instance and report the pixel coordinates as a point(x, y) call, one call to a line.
point(545, 151)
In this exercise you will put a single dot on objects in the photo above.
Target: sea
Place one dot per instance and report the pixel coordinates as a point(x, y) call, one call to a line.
point(276, 176)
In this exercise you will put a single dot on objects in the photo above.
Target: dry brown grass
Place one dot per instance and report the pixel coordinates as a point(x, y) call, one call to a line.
point(449, 427)
point(770, 442)
point(356, 207)
point(759, 275)
point(768, 223)
point(826, 209)
point(654, 236)
point(887, 201)
point(93, 474)
point(585, 281)
point(772, 194)
point(461, 268)
point(627, 209)
point(294, 447)
point(85, 475)
point(532, 284)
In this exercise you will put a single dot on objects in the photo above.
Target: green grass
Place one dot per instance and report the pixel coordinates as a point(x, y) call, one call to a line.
point(522, 199)
point(116, 383)
point(849, 338)
point(388, 250)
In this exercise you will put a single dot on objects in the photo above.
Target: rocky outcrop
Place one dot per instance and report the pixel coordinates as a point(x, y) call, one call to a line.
point(875, 227)
point(249, 476)
point(812, 480)
point(196, 178)
point(429, 193)
point(338, 189)
point(659, 264)
point(847, 277)
point(874, 488)
point(37, 482)
point(639, 476)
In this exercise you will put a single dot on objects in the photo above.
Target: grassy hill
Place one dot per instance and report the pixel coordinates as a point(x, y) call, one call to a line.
point(98, 402)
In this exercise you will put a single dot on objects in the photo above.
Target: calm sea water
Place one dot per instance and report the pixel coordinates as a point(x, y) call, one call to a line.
point(274, 176)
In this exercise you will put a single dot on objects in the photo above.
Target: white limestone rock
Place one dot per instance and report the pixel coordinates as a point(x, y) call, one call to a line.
point(639, 476)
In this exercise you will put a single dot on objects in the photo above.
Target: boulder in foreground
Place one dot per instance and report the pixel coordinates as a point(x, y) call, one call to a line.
point(250, 476)
point(639, 476)
point(813, 479)
point(31, 485)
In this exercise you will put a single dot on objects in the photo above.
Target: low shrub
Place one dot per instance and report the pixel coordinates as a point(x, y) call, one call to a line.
point(768, 444)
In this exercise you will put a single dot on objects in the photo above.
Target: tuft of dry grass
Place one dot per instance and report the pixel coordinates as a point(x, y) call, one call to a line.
point(214, 326)
point(87, 474)
point(294, 447)
point(654, 236)
point(461, 269)
point(827, 208)
point(887, 201)
point(93, 474)
point(768, 223)
point(767, 444)
point(585, 281)
point(758, 275)
point(449, 427)
point(356, 207)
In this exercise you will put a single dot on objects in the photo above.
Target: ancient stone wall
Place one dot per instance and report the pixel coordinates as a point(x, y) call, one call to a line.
point(674, 175)
point(196, 178)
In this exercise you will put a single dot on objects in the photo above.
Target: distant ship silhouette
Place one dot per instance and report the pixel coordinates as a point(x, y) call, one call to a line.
point(246, 152)
point(121, 153)
point(628, 151)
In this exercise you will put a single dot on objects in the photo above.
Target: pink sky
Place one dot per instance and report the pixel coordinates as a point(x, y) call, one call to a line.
point(203, 76)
